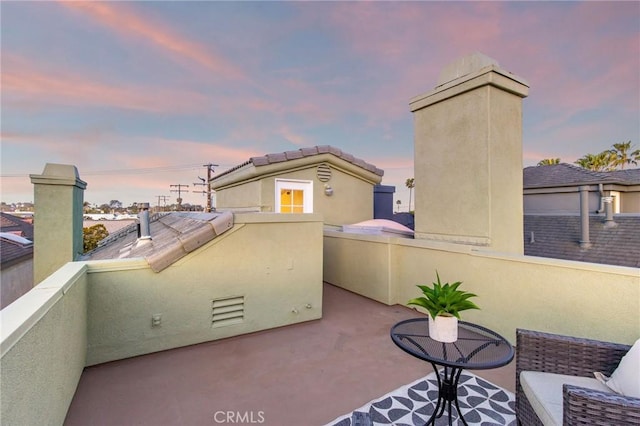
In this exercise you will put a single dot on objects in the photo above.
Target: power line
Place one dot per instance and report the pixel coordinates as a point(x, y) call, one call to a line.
point(179, 191)
point(164, 199)
point(139, 171)
point(207, 183)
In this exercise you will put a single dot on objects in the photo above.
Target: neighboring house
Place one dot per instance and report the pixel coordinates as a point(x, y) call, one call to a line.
point(16, 256)
point(558, 236)
point(553, 221)
point(555, 189)
point(320, 179)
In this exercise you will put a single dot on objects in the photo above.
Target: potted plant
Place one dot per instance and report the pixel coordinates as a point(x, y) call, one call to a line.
point(444, 303)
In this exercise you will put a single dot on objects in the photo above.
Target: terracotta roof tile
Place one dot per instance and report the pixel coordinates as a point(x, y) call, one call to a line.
point(173, 236)
point(305, 152)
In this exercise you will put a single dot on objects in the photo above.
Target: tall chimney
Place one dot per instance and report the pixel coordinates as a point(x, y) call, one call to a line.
point(584, 217)
point(58, 200)
point(145, 225)
point(468, 156)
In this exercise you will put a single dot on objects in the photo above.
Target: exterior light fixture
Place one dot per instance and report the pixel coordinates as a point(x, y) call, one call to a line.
point(328, 190)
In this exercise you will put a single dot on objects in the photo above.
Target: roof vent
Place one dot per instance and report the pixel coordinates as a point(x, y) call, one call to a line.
point(324, 172)
point(145, 223)
point(608, 209)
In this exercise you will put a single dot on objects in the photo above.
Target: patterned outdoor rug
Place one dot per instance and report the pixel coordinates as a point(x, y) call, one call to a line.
point(481, 403)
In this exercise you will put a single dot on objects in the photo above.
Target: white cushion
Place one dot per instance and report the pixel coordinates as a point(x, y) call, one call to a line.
point(544, 392)
point(625, 380)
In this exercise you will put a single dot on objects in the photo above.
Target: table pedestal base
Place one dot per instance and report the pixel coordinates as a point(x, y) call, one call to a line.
point(447, 393)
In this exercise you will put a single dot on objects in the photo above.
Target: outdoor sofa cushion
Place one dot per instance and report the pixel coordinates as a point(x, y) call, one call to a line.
point(625, 380)
point(544, 392)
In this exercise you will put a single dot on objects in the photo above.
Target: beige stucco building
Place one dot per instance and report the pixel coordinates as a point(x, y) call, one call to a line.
point(320, 179)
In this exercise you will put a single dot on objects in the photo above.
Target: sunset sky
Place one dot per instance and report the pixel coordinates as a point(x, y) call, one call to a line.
point(140, 95)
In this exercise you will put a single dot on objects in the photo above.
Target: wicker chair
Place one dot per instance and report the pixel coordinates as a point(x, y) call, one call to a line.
point(536, 351)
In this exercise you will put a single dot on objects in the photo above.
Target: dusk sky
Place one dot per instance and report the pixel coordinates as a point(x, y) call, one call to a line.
point(140, 95)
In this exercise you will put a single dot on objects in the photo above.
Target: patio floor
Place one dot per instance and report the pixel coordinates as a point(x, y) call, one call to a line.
point(304, 374)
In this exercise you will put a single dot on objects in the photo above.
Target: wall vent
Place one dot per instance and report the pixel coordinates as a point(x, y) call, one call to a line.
point(324, 172)
point(227, 311)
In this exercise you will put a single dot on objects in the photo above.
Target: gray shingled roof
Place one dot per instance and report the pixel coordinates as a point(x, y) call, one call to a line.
point(301, 153)
point(569, 175)
point(558, 237)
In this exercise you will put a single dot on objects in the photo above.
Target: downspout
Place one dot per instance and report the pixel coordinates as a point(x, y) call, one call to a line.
point(584, 217)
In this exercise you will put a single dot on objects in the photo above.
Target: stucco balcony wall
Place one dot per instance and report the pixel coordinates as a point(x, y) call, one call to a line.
point(514, 291)
point(97, 311)
point(44, 342)
point(272, 261)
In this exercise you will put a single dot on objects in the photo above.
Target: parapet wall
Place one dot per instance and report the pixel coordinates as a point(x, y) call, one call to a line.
point(514, 291)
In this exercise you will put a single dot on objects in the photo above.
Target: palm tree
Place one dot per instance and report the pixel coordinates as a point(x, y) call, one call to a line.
point(622, 156)
point(603, 162)
point(549, 162)
point(410, 183)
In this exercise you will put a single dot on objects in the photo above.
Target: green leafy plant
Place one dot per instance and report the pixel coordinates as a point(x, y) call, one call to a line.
point(444, 299)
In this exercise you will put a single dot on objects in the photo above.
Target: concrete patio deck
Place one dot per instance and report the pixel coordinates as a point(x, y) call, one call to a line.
point(304, 374)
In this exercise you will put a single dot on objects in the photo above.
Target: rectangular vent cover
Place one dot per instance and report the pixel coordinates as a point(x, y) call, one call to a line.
point(227, 311)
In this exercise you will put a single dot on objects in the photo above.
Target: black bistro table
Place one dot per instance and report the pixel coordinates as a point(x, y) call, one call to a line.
point(477, 348)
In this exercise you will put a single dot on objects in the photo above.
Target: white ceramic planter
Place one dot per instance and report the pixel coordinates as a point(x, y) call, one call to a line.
point(443, 328)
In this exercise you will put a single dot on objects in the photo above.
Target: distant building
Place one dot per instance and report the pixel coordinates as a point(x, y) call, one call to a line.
point(555, 189)
point(16, 258)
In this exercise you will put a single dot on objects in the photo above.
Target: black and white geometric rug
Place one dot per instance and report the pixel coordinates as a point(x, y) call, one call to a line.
point(481, 403)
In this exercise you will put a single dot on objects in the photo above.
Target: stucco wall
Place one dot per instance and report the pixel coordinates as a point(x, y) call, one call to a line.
point(351, 202)
point(43, 349)
point(558, 202)
point(515, 291)
point(630, 202)
point(241, 197)
point(15, 281)
point(274, 261)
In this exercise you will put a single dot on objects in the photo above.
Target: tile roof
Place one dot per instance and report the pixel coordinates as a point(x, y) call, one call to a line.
point(558, 236)
point(569, 175)
point(301, 153)
point(174, 235)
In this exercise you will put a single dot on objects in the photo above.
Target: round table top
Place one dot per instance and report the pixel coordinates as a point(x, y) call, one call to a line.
point(477, 347)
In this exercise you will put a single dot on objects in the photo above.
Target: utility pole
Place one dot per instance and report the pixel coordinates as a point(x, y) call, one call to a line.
point(179, 191)
point(164, 200)
point(207, 184)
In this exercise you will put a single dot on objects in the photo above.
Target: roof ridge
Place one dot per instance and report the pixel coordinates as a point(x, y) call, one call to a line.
point(277, 157)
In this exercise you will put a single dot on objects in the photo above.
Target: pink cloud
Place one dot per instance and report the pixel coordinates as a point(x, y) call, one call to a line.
point(127, 22)
point(23, 83)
